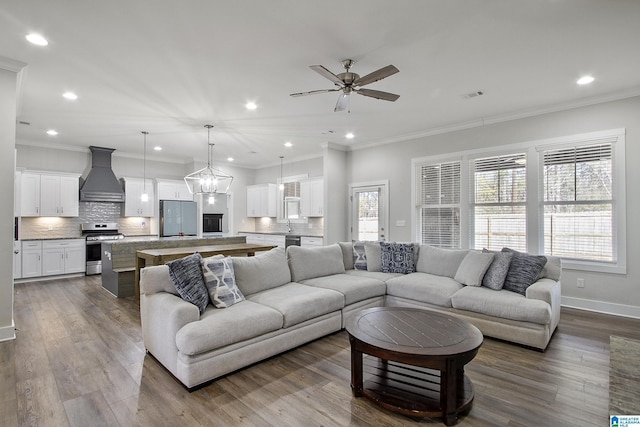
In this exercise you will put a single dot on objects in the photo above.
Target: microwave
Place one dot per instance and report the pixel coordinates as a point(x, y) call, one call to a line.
point(212, 223)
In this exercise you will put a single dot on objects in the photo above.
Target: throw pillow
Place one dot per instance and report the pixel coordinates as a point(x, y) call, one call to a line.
point(497, 271)
point(440, 262)
point(359, 256)
point(523, 271)
point(186, 275)
point(473, 267)
point(220, 280)
point(397, 257)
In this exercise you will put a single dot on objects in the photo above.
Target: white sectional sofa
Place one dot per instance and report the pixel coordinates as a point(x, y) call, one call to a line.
point(306, 293)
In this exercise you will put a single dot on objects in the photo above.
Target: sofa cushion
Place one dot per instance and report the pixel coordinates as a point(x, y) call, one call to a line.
point(523, 270)
point(473, 267)
point(353, 288)
point(441, 262)
point(503, 304)
point(220, 281)
point(263, 271)
point(347, 254)
point(186, 275)
point(497, 272)
point(218, 328)
point(397, 257)
point(373, 274)
point(298, 302)
point(428, 288)
point(307, 263)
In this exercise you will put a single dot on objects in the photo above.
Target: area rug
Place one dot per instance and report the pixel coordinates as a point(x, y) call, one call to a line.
point(624, 376)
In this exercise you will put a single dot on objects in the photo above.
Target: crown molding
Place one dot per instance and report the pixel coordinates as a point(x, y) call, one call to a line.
point(11, 64)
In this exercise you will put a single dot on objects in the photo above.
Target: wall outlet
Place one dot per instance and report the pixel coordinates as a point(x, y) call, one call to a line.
point(400, 223)
point(143, 224)
point(580, 283)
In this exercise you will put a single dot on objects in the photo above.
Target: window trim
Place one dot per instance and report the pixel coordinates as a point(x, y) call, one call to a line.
point(535, 196)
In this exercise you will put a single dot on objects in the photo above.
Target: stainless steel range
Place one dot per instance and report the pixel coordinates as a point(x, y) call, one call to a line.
point(95, 234)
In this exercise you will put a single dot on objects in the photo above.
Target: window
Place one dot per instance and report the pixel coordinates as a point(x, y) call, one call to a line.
point(578, 202)
point(563, 197)
point(438, 202)
point(499, 198)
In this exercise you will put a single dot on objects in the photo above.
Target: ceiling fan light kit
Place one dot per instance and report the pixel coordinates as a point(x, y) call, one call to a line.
point(349, 83)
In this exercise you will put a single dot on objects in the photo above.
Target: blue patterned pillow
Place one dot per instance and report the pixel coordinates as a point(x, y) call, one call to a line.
point(397, 257)
point(186, 275)
point(523, 271)
point(220, 280)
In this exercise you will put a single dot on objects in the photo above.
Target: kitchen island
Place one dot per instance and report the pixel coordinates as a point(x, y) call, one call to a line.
point(119, 257)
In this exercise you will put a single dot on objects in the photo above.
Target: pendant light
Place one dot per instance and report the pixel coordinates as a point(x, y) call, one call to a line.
point(208, 181)
point(281, 181)
point(144, 196)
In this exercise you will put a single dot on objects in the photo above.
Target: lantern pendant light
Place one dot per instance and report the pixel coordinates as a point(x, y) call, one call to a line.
point(144, 197)
point(208, 181)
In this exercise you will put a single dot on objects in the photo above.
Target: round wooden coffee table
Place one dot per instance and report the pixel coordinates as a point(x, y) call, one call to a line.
point(418, 363)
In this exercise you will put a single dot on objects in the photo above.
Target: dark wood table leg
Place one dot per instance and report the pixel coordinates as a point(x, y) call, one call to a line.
point(449, 393)
point(356, 369)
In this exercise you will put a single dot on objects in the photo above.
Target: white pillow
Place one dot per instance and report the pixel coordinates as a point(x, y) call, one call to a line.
point(472, 268)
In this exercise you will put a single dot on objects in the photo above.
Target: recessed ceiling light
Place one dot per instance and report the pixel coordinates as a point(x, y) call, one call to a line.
point(585, 80)
point(288, 144)
point(157, 148)
point(37, 39)
point(52, 132)
point(250, 105)
point(350, 135)
point(229, 159)
point(70, 95)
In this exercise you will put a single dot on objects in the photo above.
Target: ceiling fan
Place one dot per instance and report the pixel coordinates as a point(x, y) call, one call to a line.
point(349, 83)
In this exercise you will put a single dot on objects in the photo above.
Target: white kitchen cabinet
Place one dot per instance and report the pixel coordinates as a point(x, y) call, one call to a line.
point(261, 200)
point(17, 185)
point(312, 197)
point(59, 195)
point(63, 256)
point(311, 241)
point(47, 194)
point(265, 239)
point(17, 259)
point(133, 204)
point(31, 258)
point(173, 190)
point(30, 194)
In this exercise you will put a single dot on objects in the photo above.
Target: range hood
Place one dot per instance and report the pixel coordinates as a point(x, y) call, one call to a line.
point(101, 185)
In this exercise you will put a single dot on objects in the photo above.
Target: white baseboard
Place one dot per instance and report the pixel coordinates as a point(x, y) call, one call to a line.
point(7, 333)
point(602, 307)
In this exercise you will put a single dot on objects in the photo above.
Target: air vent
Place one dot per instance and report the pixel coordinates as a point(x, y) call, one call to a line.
point(22, 122)
point(473, 94)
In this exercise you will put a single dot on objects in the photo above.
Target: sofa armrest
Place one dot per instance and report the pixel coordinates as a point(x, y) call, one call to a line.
point(547, 290)
point(162, 315)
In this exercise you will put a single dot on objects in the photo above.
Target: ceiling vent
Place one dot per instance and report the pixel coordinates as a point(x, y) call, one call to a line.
point(473, 94)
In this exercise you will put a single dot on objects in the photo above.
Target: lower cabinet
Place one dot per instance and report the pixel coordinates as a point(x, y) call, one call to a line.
point(264, 239)
point(17, 260)
point(63, 257)
point(311, 241)
point(52, 257)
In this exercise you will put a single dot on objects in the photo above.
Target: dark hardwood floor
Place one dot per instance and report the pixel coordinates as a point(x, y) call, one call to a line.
point(79, 360)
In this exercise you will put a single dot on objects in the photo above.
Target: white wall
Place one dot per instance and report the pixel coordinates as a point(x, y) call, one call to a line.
point(7, 168)
point(335, 195)
point(602, 292)
point(270, 174)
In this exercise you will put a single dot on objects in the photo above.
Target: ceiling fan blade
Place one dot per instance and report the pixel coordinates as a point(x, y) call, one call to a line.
point(380, 74)
point(327, 74)
point(386, 96)
point(313, 92)
point(343, 102)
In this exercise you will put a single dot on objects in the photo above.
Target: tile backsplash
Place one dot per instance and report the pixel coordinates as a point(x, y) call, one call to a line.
point(270, 225)
point(59, 227)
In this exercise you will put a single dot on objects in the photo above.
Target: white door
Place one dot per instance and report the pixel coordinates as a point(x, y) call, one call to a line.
point(369, 212)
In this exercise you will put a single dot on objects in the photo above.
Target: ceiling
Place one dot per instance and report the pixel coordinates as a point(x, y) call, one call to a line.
point(170, 67)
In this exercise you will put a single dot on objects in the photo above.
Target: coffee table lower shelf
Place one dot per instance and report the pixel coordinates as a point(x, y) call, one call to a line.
point(410, 390)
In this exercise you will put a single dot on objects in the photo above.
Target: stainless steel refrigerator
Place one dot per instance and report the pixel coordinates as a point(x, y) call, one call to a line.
point(178, 218)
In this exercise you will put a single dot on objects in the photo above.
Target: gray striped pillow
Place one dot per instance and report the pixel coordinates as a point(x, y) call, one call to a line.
point(186, 275)
point(523, 271)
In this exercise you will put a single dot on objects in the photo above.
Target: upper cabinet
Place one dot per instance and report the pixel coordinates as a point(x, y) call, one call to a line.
point(173, 190)
point(261, 200)
point(133, 204)
point(46, 194)
point(312, 197)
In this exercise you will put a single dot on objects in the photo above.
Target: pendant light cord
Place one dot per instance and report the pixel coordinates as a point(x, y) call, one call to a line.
point(144, 162)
